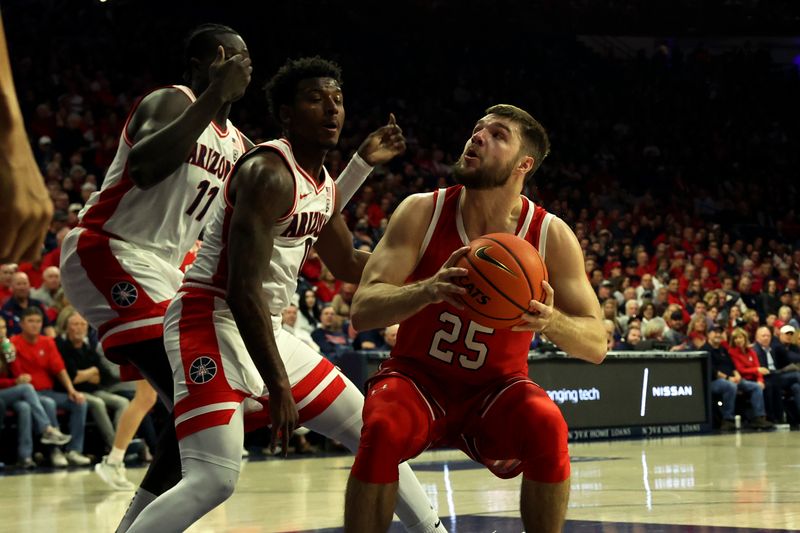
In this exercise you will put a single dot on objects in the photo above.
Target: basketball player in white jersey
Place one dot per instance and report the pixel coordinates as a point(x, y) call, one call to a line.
point(223, 330)
point(120, 266)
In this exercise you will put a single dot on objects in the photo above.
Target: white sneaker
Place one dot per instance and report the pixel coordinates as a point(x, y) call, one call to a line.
point(54, 436)
point(57, 459)
point(113, 475)
point(78, 459)
point(245, 453)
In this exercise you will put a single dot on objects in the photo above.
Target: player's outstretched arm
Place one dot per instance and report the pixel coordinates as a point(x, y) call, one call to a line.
point(25, 207)
point(335, 248)
point(571, 315)
point(166, 124)
point(380, 146)
point(383, 298)
point(261, 191)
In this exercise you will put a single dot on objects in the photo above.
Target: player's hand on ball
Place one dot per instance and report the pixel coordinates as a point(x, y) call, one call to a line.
point(283, 412)
point(383, 144)
point(539, 315)
point(230, 76)
point(440, 286)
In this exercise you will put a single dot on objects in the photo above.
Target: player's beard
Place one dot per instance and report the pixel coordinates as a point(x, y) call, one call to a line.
point(482, 178)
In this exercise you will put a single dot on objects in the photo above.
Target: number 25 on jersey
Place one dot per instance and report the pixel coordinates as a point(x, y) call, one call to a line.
point(469, 361)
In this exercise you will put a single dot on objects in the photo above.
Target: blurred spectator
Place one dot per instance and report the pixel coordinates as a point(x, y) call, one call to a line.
point(780, 375)
point(631, 311)
point(6, 274)
point(769, 299)
point(726, 380)
point(289, 322)
point(330, 336)
point(38, 357)
point(631, 340)
point(21, 300)
point(674, 334)
point(342, 300)
point(327, 287)
point(646, 290)
point(310, 309)
point(51, 283)
point(87, 189)
point(53, 257)
point(647, 312)
point(90, 377)
point(654, 336)
point(18, 394)
point(389, 337)
point(788, 340)
point(312, 268)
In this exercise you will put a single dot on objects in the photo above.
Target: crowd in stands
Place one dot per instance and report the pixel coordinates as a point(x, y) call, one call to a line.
point(675, 168)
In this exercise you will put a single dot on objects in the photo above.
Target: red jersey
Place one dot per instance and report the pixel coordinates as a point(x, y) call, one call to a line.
point(41, 360)
point(440, 339)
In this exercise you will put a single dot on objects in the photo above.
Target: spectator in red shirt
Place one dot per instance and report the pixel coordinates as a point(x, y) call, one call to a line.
point(673, 293)
point(7, 271)
point(53, 257)
point(19, 395)
point(744, 357)
point(327, 286)
point(38, 357)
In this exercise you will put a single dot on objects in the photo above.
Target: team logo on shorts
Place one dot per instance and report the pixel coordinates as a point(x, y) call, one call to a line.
point(124, 294)
point(202, 370)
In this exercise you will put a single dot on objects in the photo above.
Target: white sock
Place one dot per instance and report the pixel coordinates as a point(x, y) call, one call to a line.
point(342, 421)
point(116, 456)
point(413, 506)
point(140, 500)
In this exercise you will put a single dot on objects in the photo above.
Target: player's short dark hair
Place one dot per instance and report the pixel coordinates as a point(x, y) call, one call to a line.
point(282, 88)
point(31, 310)
point(535, 141)
point(202, 41)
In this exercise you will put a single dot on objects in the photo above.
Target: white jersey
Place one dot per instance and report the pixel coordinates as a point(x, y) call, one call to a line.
point(167, 218)
point(294, 234)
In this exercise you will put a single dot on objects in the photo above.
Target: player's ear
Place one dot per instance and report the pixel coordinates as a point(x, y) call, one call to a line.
point(526, 164)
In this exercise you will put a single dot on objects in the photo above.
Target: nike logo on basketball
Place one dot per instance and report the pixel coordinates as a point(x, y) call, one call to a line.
point(481, 253)
point(304, 195)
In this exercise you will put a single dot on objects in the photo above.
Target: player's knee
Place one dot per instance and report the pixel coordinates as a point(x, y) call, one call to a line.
point(381, 449)
point(545, 451)
point(382, 430)
point(215, 485)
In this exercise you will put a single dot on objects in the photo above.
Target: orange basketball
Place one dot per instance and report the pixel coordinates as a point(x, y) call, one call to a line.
point(505, 273)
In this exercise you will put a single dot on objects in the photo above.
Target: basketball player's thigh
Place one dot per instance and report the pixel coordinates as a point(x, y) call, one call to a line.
point(520, 422)
point(109, 280)
point(210, 363)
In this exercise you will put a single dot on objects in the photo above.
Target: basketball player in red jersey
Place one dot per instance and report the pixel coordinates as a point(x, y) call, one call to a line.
point(222, 332)
point(451, 382)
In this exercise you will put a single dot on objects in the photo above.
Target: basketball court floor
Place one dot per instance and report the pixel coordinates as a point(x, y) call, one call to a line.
point(711, 483)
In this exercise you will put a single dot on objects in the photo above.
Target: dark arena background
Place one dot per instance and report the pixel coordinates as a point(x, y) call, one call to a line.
point(675, 132)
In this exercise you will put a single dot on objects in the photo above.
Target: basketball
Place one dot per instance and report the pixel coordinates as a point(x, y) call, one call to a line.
point(505, 273)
